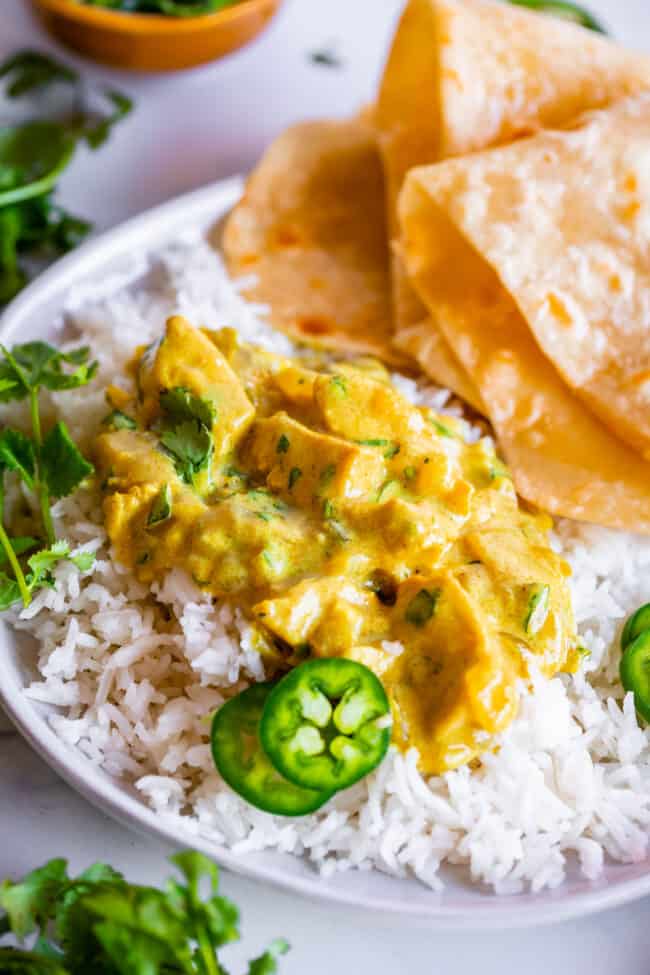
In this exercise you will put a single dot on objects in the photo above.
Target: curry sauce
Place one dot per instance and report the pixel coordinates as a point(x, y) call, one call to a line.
point(345, 521)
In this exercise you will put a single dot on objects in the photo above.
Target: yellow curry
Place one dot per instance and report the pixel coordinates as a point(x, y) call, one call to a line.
point(345, 521)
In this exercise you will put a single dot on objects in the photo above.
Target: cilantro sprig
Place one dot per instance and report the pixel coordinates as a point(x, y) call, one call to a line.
point(186, 431)
point(98, 922)
point(33, 154)
point(49, 465)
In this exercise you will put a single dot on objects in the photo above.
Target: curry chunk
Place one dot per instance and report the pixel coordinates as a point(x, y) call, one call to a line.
point(343, 521)
point(453, 685)
point(186, 359)
point(307, 466)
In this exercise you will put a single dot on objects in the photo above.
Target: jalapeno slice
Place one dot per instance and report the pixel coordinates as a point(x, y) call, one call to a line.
point(243, 764)
point(326, 724)
point(564, 9)
point(635, 625)
point(635, 672)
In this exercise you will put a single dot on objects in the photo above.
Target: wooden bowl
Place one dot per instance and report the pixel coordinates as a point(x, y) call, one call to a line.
point(148, 42)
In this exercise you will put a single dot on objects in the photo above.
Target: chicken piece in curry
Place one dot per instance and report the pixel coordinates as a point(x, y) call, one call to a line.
point(345, 522)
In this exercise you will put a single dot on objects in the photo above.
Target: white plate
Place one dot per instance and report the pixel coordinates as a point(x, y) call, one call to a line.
point(32, 315)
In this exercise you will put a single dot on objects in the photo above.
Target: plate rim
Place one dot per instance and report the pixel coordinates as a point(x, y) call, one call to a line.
point(195, 210)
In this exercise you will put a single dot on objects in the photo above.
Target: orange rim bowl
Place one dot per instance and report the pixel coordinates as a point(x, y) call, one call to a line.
point(149, 42)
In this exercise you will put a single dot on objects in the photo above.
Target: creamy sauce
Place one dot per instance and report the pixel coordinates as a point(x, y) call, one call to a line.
point(346, 522)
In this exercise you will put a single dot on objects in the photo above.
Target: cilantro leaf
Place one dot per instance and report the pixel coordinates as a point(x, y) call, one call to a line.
point(28, 70)
point(42, 562)
point(84, 561)
point(63, 466)
point(15, 962)
point(267, 964)
point(97, 131)
point(119, 421)
point(10, 593)
point(180, 404)
point(161, 509)
point(190, 446)
point(30, 904)
point(17, 454)
point(36, 364)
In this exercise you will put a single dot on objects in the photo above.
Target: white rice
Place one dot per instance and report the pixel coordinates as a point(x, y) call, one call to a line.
point(571, 780)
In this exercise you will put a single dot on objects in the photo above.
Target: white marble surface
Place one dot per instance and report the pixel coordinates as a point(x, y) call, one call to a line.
point(188, 130)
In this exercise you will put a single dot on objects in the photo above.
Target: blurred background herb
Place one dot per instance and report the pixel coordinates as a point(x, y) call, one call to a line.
point(37, 142)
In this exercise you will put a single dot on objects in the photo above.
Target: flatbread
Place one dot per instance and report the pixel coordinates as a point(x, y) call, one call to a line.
point(562, 457)
point(564, 220)
point(463, 75)
point(311, 228)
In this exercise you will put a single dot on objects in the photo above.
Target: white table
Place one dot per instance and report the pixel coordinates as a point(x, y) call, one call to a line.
point(187, 130)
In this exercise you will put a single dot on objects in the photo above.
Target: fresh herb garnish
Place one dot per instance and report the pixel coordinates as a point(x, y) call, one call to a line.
point(441, 428)
point(422, 607)
point(99, 923)
point(187, 431)
point(190, 445)
point(161, 509)
point(51, 466)
point(294, 476)
point(34, 153)
point(389, 489)
point(119, 421)
point(181, 404)
point(391, 449)
point(339, 386)
point(327, 475)
point(283, 444)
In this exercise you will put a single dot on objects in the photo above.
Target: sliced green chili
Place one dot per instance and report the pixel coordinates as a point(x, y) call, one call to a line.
point(244, 765)
point(326, 724)
point(422, 607)
point(635, 672)
point(635, 625)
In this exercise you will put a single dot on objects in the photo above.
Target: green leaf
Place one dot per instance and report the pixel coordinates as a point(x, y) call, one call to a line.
point(181, 404)
point(339, 386)
point(119, 421)
point(36, 364)
point(17, 454)
point(32, 157)
point(267, 964)
point(96, 133)
point(43, 561)
point(283, 444)
point(16, 962)
point(28, 70)
point(9, 595)
point(161, 509)
point(30, 904)
point(20, 544)
point(190, 446)
point(84, 561)
point(294, 476)
point(63, 466)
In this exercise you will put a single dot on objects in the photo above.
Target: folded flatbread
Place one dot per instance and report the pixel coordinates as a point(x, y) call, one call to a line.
point(572, 277)
point(463, 75)
point(311, 229)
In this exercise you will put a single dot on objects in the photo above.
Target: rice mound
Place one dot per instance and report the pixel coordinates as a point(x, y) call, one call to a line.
point(136, 673)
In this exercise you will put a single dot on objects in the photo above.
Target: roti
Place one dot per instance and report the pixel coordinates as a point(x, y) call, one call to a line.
point(564, 220)
point(311, 228)
point(464, 75)
point(563, 458)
